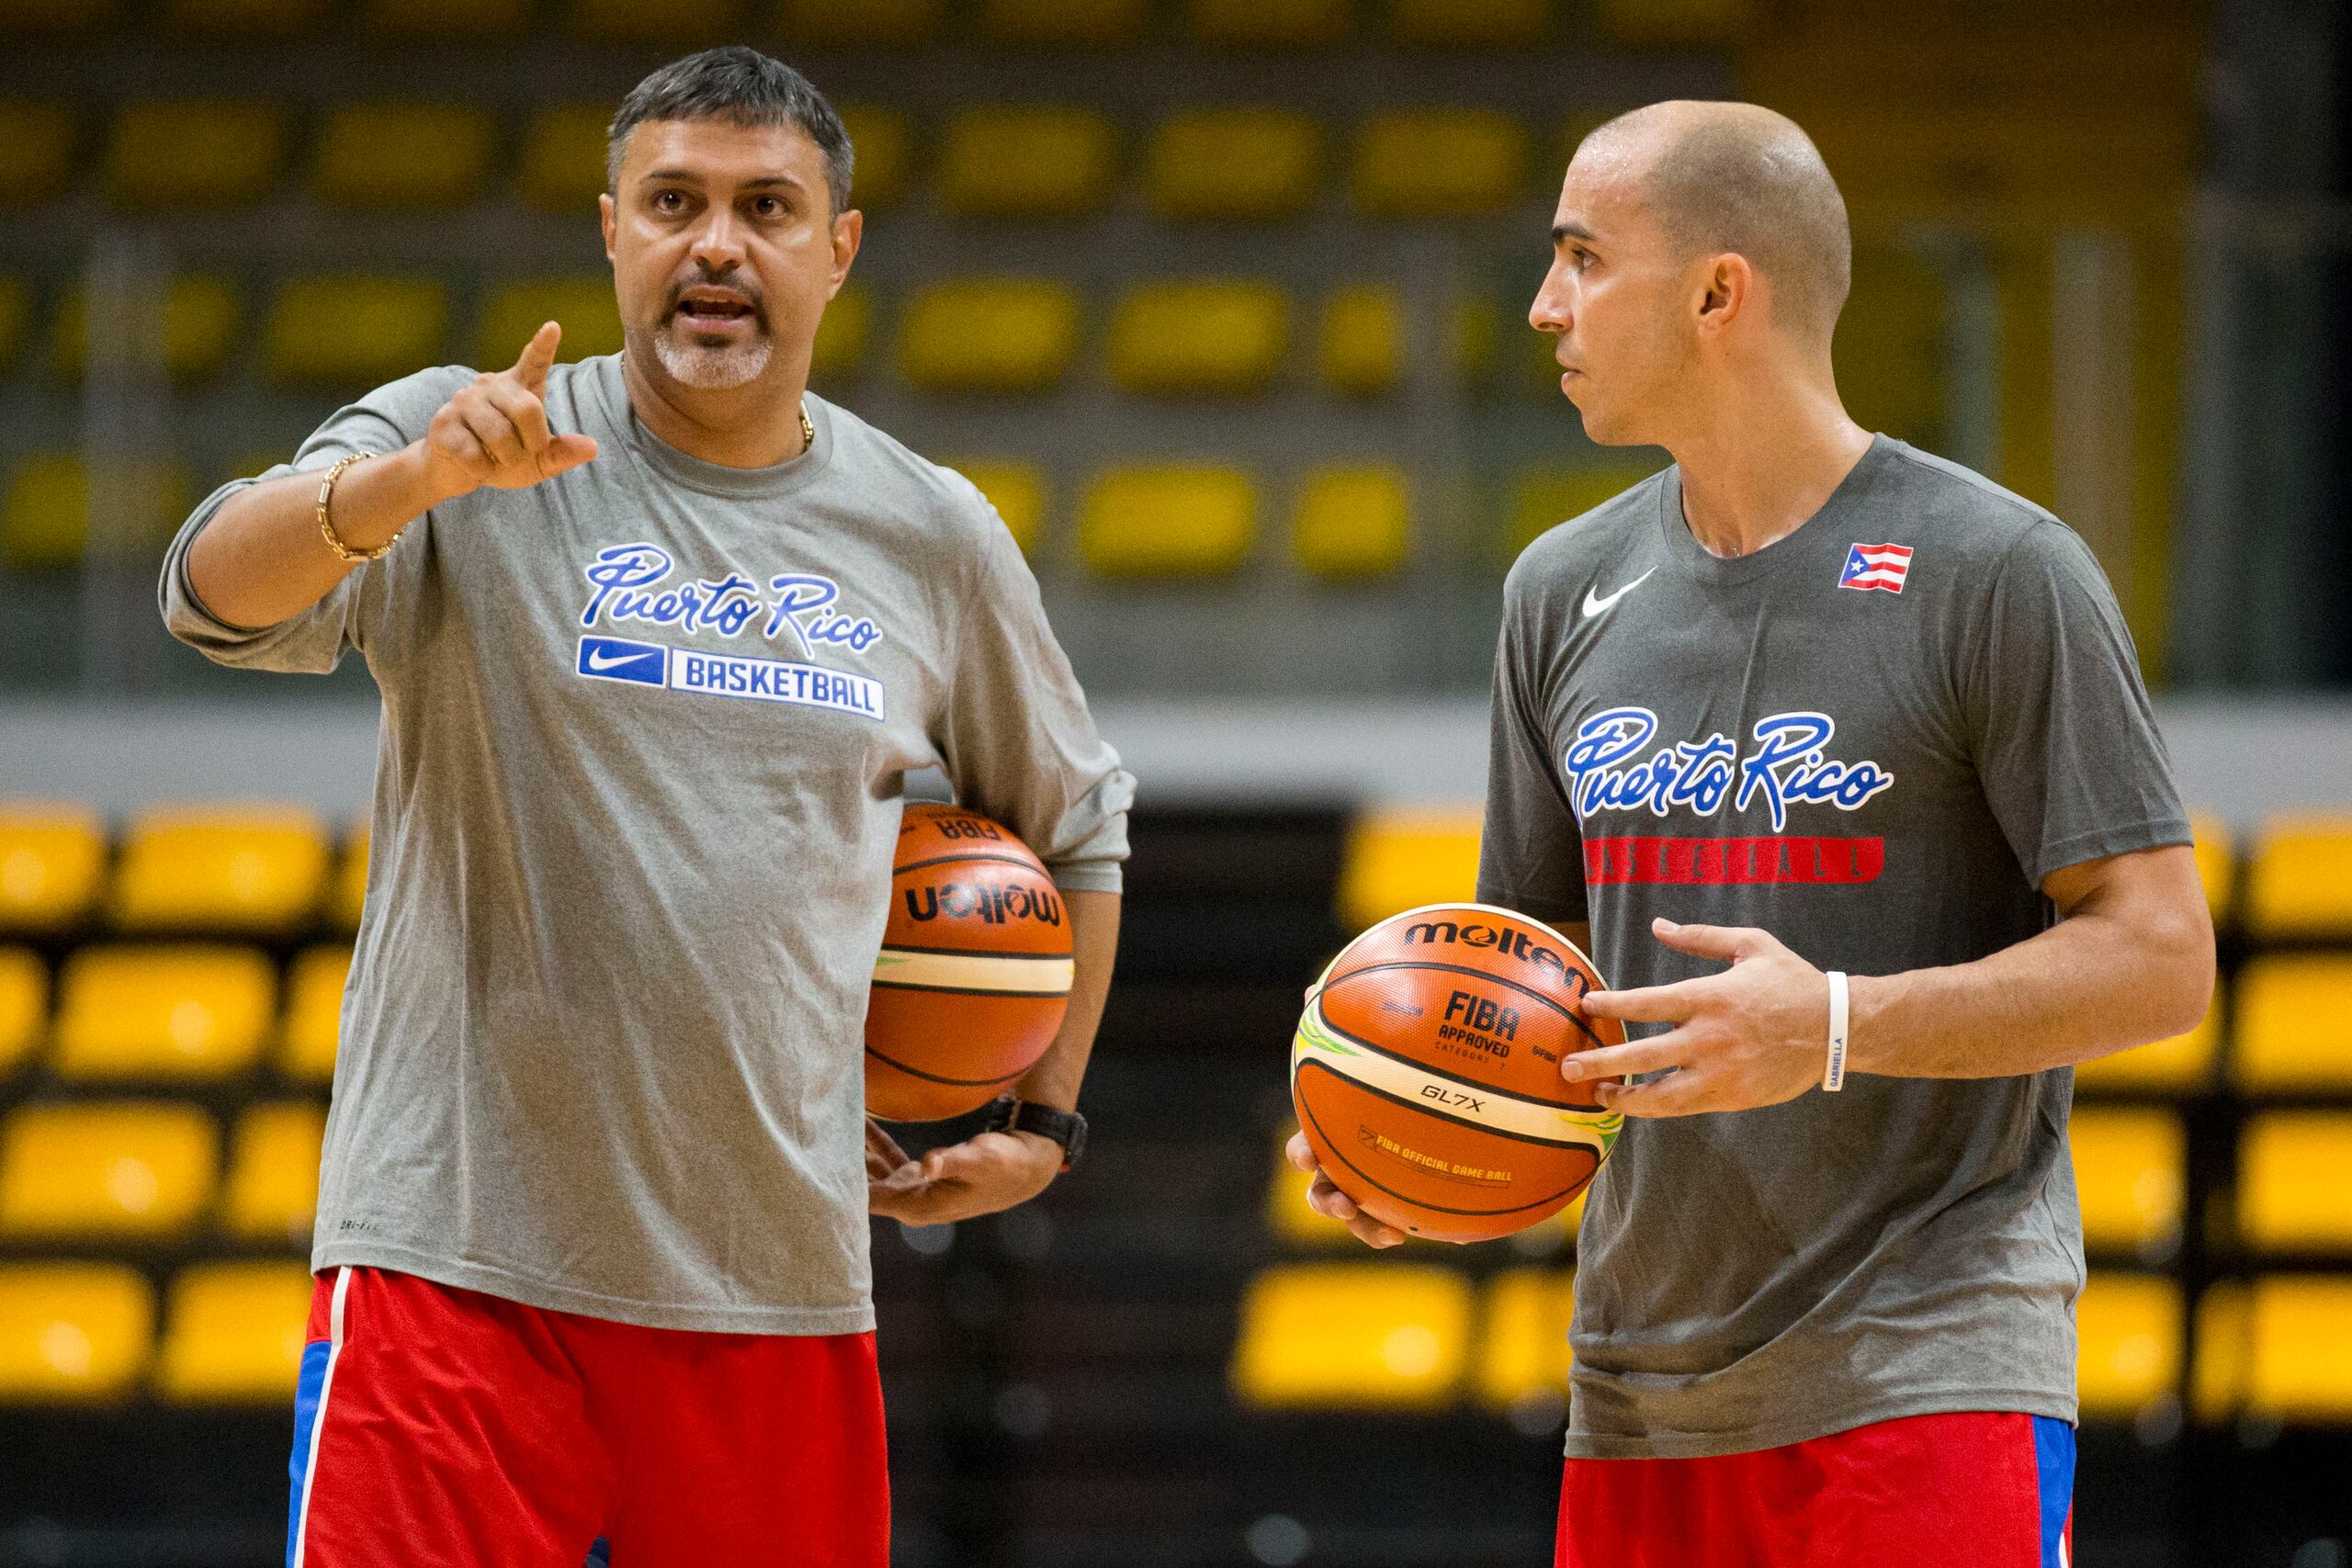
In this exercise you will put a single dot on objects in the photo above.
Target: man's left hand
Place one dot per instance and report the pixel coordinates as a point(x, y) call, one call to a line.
point(979, 1176)
point(1755, 1035)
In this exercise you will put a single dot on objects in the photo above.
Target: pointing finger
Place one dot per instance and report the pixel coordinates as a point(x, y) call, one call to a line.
point(531, 368)
point(523, 409)
point(1729, 943)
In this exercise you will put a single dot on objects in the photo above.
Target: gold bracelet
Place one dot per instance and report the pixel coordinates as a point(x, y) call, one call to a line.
point(326, 529)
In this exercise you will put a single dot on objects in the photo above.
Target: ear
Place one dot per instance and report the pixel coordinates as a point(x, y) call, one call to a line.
point(849, 232)
point(1726, 290)
point(608, 218)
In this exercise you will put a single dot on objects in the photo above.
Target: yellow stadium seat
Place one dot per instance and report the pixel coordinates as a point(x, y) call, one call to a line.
point(1233, 163)
point(883, 141)
point(2129, 1171)
point(250, 18)
point(1268, 24)
point(37, 146)
point(16, 311)
point(201, 321)
point(72, 1331)
point(1891, 356)
point(233, 1333)
point(842, 334)
point(2216, 861)
point(22, 17)
point(1399, 857)
point(1009, 335)
point(2294, 1024)
point(2299, 881)
point(2127, 1328)
point(1470, 24)
point(452, 19)
point(2280, 1347)
point(562, 166)
point(868, 24)
point(403, 155)
point(1170, 519)
point(51, 857)
point(673, 22)
point(582, 306)
point(1353, 1335)
point(1523, 1351)
point(2181, 1066)
point(1544, 498)
point(2295, 1181)
point(314, 1013)
point(1474, 334)
point(1351, 522)
point(272, 1188)
point(1199, 337)
point(220, 868)
point(132, 1169)
point(1439, 163)
point(1091, 24)
point(347, 896)
point(24, 1005)
point(194, 153)
point(1027, 161)
point(1360, 352)
point(53, 504)
point(1675, 23)
point(163, 1012)
point(1016, 490)
point(354, 331)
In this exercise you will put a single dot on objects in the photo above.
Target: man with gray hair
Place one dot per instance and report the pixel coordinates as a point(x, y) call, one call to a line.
point(659, 635)
point(1861, 713)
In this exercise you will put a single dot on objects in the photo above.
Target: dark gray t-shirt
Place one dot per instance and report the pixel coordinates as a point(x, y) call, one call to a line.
point(644, 731)
point(1881, 776)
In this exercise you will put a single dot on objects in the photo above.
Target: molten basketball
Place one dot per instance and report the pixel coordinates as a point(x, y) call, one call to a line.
point(974, 972)
point(1426, 1072)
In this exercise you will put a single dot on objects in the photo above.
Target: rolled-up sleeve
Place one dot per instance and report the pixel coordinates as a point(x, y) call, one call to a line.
point(312, 641)
point(1018, 741)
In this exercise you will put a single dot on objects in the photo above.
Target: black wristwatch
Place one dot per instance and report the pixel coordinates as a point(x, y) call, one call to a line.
point(1068, 1128)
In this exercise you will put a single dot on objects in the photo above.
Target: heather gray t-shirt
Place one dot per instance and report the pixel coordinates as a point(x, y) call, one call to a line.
point(644, 729)
point(1880, 777)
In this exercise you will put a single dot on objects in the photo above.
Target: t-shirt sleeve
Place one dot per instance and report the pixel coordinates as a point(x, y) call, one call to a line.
point(311, 642)
point(2063, 734)
point(1017, 739)
point(1530, 852)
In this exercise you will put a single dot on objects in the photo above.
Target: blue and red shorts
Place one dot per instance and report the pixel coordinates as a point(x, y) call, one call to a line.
point(437, 1428)
point(1973, 1490)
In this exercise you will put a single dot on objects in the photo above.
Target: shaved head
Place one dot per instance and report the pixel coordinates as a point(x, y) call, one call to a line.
point(1724, 177)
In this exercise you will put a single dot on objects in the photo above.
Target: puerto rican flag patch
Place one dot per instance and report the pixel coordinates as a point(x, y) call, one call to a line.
point(1876, 566)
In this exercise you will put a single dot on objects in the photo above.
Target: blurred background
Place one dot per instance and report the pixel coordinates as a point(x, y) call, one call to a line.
point(1223, 303)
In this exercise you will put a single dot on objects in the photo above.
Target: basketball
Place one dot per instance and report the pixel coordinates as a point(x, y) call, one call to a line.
point(974, 972)
point(1426, 1072)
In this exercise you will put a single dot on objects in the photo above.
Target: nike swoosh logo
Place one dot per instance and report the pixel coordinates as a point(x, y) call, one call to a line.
point(1593, 606)
point(599, 659)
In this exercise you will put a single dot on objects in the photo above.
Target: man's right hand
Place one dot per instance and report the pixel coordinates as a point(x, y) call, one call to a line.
point(1328, 1201)
point(495, 432)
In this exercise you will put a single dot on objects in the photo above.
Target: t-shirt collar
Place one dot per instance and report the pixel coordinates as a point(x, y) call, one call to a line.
point(1805, 541)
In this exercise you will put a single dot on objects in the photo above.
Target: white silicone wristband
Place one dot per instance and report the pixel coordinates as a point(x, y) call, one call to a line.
point(1833, 1075)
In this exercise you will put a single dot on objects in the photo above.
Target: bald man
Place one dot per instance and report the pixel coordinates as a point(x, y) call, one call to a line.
point(1836, 756)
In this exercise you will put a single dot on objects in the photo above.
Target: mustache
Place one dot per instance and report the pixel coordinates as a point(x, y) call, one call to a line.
point(676, 299)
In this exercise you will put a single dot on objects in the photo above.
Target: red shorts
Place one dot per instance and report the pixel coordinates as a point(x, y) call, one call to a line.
point(1978, 1490)
point(437, 1428)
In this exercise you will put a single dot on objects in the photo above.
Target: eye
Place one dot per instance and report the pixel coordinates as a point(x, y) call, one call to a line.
point(767, 205)
point(669, 200)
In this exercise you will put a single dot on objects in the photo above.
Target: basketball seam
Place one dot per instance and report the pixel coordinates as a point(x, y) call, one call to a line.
point(1571, 1015)
point(969, 953)
point(1334, 1145)
point(1440, 1111)
point(881, 984)
point(1396, 1055)
point(935, 1078)
point(966, 859)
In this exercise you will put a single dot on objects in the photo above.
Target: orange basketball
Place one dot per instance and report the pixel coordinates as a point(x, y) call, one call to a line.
point(974, 972)
point(1426, 1072)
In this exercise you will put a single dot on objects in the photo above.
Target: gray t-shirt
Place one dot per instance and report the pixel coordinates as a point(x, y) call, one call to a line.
point(1880, 777)
point(644, 731)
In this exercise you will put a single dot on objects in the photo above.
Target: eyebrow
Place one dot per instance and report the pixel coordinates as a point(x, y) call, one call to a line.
point(688, 176)
point(1569, 232)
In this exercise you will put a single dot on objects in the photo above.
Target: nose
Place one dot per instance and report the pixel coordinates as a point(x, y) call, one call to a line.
point(1551, 313)
point(718, 243)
